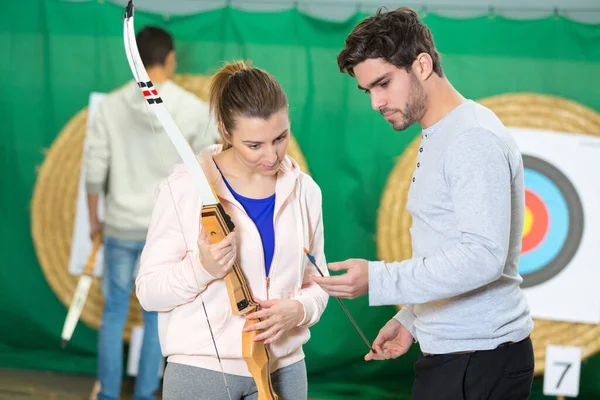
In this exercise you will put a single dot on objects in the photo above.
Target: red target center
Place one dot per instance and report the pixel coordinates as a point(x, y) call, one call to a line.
point(539, 224)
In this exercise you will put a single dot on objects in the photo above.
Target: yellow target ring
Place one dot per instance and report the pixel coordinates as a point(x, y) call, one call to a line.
point(528, 223)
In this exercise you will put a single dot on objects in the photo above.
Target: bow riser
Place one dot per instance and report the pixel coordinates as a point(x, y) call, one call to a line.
point(218, 225)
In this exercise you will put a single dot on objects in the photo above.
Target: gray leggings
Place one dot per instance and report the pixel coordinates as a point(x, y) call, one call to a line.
point(184, 382)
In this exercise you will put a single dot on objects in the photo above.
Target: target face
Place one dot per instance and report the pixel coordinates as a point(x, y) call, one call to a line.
point(553, 222)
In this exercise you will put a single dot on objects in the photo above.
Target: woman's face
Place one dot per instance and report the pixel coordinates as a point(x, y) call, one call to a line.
point(261, 144)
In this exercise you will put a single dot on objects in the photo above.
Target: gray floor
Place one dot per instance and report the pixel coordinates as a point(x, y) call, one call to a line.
point(37, 385)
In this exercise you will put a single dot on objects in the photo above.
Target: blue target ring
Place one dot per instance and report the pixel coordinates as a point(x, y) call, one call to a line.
point(558, 225)
point(557, 201)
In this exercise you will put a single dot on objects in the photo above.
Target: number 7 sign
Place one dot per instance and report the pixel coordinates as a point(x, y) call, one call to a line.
point(561, 373)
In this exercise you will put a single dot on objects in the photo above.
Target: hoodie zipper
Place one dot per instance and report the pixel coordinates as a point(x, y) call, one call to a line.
point(275, 252)
point(268, 285)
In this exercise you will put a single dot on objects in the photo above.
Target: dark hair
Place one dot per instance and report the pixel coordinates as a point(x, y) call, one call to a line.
point(154, 45)
point(397, 36)
point(240, 90)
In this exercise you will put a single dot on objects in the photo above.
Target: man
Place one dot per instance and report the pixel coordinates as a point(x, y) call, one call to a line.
point(460, 289)
point(129, 153)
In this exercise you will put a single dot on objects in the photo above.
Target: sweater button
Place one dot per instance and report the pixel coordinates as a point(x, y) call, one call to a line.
point(418, 164)
point(413, 178)
point(421, 150)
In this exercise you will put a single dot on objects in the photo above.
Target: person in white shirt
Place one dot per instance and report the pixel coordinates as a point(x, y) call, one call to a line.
point(128, 154)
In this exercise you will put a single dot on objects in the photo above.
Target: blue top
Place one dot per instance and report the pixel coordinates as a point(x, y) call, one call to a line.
point(261, 212)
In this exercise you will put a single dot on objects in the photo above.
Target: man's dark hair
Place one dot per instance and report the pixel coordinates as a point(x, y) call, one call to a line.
point(397, 36)
point(154, 45)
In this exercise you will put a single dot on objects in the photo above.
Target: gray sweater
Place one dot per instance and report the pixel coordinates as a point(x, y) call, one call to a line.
point(460, 289)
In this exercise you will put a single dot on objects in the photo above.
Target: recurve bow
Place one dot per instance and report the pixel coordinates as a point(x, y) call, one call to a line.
point(215, 220)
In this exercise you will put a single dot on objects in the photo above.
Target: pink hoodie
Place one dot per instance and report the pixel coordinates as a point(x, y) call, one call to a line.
point(171, 279)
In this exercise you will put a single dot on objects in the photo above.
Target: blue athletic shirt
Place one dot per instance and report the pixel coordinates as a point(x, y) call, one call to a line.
point(261, 212)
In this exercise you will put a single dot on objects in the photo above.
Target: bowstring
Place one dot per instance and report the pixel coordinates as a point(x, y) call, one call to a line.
point(137, 78)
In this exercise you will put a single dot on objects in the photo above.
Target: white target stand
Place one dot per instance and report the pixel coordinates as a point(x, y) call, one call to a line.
point(81, 244)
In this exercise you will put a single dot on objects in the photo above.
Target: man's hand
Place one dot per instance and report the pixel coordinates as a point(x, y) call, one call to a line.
point(95, 228)
point(393, 340)
point(95, 224)
point(354, 283)
point(278, 316)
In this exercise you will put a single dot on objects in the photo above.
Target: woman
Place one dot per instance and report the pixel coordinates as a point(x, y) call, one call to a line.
point(276, 210)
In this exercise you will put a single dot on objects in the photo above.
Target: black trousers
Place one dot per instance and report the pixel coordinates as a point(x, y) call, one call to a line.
point(505, 373)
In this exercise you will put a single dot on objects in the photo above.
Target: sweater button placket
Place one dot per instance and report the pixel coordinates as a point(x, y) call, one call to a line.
point(418, 163)
point(424, 136)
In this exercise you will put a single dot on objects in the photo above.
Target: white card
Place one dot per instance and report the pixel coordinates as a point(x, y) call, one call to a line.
point(561, 374)
point(135, 349)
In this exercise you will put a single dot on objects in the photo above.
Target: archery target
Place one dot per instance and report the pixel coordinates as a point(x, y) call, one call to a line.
point(553, 222)
point(560, 255)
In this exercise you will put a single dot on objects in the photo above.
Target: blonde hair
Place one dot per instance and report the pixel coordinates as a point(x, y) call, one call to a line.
point(238, 89)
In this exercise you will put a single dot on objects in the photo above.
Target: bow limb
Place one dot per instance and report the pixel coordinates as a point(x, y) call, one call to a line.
point(215, 220)
point(81, 293)
point(257, 358)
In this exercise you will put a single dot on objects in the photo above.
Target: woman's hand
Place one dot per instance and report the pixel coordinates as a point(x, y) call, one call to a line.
point(217, 259)
point(278, 316)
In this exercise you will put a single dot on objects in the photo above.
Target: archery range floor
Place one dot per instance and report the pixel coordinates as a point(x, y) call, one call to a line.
point(18, 384)
point(38, 385)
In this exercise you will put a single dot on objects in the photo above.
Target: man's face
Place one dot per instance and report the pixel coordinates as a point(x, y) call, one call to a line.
point(397, 94)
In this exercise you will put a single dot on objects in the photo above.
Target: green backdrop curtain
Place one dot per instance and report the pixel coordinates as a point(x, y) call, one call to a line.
point(54, 53)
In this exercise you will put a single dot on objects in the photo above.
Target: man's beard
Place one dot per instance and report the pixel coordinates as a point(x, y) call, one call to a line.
point(415, 108)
